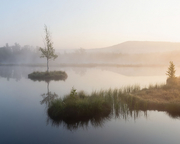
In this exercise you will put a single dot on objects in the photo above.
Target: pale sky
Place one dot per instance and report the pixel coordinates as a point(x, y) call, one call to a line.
point(88, 23)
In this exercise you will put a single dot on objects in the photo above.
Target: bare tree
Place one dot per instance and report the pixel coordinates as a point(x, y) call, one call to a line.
point(48, 51)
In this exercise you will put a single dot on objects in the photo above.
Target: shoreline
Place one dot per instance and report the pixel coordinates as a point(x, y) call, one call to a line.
point(84, 65)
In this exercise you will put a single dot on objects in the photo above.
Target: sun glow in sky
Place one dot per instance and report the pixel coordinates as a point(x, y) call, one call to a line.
point(89, 23)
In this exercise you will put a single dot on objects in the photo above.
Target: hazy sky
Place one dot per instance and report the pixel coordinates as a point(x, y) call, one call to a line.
point(88, 23)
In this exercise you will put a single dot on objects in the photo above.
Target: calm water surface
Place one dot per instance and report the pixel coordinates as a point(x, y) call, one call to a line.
point(23, 117)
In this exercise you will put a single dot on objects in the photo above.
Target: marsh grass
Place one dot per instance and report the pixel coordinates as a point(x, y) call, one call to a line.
point(80, 108)
point(52, 75)
point(162, 93)
point(99, 104)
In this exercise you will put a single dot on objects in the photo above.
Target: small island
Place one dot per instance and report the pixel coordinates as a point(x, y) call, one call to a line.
point(48, 52)
point(52, 75)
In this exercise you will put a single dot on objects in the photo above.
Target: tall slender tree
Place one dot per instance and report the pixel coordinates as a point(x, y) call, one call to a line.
point(48, 51)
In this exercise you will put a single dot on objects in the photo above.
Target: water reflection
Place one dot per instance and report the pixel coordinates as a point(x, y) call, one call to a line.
point(174, 115)
point(17, 72)
point(74, 124)
point(122, 113)
point(49, 96)
point(11, 72)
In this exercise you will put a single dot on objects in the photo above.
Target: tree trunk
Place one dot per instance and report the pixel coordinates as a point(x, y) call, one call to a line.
point(47, 65)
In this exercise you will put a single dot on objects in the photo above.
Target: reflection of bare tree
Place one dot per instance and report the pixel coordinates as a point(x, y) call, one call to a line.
point(48, 97)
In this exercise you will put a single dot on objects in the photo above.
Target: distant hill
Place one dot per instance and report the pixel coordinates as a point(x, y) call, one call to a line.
point(135, 47)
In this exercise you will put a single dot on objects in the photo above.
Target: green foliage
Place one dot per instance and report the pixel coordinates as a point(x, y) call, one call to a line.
point(171, 70)
point(73, 92)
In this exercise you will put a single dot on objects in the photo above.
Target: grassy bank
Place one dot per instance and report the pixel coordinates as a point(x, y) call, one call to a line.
point(159, 94)
point(121, 102)
point(52, 75)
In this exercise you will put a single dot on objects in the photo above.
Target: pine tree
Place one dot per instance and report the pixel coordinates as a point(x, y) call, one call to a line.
point(171, 70)
point(48, 51)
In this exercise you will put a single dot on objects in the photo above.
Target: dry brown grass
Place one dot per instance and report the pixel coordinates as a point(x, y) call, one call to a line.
point(160, 94)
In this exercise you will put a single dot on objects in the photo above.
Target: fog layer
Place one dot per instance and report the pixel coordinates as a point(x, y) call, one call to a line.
point(129, 53)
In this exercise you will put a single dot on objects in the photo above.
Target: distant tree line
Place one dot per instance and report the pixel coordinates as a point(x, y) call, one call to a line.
point(17, 54)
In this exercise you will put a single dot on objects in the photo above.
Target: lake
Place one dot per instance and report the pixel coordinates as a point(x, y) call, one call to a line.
point(23, 108)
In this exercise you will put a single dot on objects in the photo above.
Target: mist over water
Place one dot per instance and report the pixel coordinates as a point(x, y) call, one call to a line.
point(129, 53)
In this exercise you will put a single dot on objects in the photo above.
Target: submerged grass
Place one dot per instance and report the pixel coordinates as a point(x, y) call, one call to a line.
point(52, 75)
